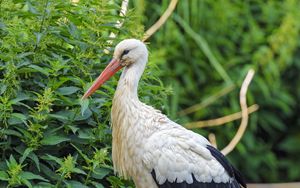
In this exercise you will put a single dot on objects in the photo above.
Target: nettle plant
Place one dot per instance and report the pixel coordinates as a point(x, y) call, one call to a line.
point(50, 51)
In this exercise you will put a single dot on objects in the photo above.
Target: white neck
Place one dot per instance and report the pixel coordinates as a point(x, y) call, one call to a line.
point(129, 80)
point(124, 117)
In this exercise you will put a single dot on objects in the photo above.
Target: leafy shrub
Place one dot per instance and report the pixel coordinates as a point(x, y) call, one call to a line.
point(50, 52)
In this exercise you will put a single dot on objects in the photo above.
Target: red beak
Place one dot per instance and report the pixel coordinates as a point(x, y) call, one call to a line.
point(108, 72)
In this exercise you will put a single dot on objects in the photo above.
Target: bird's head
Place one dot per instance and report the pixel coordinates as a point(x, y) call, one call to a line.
point(127, 53)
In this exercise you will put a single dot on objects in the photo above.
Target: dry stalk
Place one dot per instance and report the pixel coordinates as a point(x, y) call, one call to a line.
point(209, 100)
point(161, 20)
point(212, 139)
point(220, 121)
point(119, 23)
point(244, 108)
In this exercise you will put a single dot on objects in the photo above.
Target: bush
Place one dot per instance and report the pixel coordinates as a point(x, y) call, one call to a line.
point(50, 53)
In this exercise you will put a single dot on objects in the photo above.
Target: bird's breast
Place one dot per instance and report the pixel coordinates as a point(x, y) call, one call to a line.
point(128, 136)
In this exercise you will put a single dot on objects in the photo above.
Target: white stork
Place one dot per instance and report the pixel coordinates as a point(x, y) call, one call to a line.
point(150, 148)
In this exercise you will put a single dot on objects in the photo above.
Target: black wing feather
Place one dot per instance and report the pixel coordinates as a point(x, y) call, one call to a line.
point(195, 184)
point(233, 172)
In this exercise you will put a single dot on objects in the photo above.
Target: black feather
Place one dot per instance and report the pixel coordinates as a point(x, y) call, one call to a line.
point(232, 172)
point(195, 184)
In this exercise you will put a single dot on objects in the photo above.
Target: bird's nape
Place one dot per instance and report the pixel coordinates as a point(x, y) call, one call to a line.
point(113, 67)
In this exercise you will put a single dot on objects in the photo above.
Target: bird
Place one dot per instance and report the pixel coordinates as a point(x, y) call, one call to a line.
point(148, 147)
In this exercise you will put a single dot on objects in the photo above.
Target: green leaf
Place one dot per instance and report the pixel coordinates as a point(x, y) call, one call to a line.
point(26, 182)
point(25, 154)
point(4, 176)
point(17, 118)
point(100, 173)
point(43, 185)
point(45, 71)
point(31, 176)
point(52, 158)
point(49, 172)
point(75, 184)
point(97, 185)
point(20, 97)
point(67, 90)
point(12, 160)
point(73, 128)
point(12, 132)
point(84, 105)
point(53, 140)
point(79, 171)
point(35, 159)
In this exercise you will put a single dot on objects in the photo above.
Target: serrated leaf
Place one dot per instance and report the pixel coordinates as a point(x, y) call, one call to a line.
point(53, 158)
point(53, 140)
point(75, 184)
point(17, 118)
point(100, 173)
point(25, 154)
point(49, 173)
point(12, 132)
point(73, 128)
point(26, 182)
point(67, 90)
point(4, 176)
point(84, 106)
point(79, 171)
point(44, 71)
point(32, 176)
point(97, 185)
point(43, 185)
point(35, 159)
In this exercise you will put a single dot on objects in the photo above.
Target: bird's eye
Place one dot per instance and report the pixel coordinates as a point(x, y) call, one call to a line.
point(125, 52)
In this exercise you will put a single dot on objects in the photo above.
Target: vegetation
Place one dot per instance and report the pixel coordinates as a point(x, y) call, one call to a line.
point(50, 52)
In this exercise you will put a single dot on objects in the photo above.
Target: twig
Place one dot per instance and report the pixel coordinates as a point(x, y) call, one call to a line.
point(119, 23)
point(220, 121)
point(207, 101)
point(75, 1)
point(161, 20)
point(244, 108)
point(212, 139)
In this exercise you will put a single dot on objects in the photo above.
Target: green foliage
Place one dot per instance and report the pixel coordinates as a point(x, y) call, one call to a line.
point(50, 52)
point(206, 49)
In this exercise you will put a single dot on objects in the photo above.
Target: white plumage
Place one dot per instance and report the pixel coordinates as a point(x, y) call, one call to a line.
point(149, 147)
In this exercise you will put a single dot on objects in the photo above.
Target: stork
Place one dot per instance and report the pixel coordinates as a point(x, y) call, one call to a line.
point(150, 148)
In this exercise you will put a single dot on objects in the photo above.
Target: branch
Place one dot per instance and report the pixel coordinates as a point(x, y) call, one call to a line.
point(212, 139)
point(119, 23)
point(244, 108)
point(161, 20)
point(207, 101)
point(220, 121)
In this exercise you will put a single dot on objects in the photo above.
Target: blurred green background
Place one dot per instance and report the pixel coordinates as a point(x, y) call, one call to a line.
point(50, 52)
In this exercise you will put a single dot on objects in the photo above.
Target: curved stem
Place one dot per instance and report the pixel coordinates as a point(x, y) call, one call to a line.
point(161, 20)
point(244, 108)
